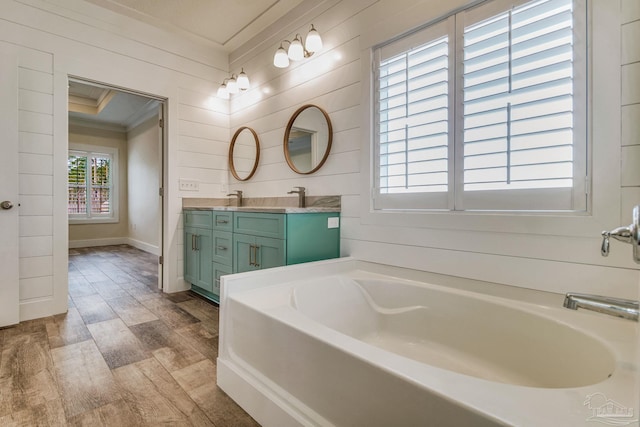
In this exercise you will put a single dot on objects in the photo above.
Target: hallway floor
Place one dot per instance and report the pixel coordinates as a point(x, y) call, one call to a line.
point(125, 354)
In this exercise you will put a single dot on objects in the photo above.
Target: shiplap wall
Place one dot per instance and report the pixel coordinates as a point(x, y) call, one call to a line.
point(57, 38)
point(630, 140)
point(35, 167)
point(527, 254)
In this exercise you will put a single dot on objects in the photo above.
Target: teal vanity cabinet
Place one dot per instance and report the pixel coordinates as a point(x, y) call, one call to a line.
point(265, 240)
point(225, 242)
point(198, 235)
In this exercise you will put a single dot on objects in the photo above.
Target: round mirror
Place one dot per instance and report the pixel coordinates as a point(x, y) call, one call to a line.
point(244, 153)
point(307, 140)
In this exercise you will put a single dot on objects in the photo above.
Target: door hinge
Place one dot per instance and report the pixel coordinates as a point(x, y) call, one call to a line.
point(161, 123)
point(587, 185)
point(160, 260)
point(161, 192)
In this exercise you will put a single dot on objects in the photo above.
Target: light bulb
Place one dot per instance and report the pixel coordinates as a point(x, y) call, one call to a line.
point(243, 80)
point(232, 85)
point(280, 59)
point(296, 51)
point(313, 43)
point(223, 92)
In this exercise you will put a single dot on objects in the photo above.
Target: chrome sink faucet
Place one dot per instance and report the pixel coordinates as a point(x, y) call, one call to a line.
point(301, 196)
point(619, 307)
point(237, 194)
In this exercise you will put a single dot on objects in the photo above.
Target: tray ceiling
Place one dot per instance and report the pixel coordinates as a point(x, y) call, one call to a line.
point(227, 24)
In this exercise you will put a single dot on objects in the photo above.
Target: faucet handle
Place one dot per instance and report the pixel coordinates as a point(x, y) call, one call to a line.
point(629, 234)
point(604, 249)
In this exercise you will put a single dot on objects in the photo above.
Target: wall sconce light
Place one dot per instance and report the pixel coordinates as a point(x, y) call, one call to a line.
point(296, 51)
point(233, 85)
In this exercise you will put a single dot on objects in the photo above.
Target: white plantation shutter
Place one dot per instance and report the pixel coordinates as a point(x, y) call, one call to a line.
point(90, 185)
point(520, 145)
point(413, 110)
point(520, 112)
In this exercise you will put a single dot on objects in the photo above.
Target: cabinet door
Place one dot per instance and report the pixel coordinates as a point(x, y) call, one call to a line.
point(204, 248)
point(270, 252)
point(219, 270)
point(190, 256)
point(244, 253)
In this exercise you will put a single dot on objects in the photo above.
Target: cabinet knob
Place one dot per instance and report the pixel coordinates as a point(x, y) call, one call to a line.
point(221, 248)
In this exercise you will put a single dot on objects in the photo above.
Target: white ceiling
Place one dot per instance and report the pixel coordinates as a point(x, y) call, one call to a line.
point(225, 23)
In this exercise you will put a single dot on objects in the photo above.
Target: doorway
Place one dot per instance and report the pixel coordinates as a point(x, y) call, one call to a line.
point(116, 168)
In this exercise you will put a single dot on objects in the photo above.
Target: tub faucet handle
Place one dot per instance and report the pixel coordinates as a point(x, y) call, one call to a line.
point(629, 234)
point(604, 249)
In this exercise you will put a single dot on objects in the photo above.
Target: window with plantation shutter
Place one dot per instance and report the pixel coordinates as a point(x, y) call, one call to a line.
point(509, 135)
point(91, 184)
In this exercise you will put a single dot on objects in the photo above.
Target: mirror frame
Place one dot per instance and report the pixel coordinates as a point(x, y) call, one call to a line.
point(288, 131)
point(232, 167)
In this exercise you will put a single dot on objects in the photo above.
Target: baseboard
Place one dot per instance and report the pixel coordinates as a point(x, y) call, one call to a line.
point(88, 243)
point(144, 246)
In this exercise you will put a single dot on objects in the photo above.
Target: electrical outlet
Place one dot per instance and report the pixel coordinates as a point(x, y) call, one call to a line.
point(186, 185)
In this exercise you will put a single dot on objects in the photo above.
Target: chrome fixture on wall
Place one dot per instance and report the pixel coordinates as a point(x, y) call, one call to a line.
point(629, 234)
point(296, 50)
point(233, 85)
point(618, 307)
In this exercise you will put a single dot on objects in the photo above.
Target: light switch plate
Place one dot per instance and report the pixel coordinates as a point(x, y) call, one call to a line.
point(333, 222)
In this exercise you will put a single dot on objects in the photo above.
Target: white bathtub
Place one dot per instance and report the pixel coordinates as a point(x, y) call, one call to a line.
point(348, 343)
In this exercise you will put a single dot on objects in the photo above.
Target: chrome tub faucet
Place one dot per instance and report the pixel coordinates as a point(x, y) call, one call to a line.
point(619, 307)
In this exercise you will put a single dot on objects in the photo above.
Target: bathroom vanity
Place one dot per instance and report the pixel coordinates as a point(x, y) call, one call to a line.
point(225, 240)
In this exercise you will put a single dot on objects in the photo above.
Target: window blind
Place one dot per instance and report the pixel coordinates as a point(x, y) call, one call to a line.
point(518, 99)
point(485, 110)
point(413, 115)
point(90, 185)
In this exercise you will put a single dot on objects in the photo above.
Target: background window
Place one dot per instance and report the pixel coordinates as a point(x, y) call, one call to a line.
point(91, 184)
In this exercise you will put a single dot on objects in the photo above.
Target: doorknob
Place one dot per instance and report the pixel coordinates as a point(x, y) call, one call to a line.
point(6, 205)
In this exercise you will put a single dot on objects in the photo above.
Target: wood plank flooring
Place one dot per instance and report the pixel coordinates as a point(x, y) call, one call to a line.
point(124, 354)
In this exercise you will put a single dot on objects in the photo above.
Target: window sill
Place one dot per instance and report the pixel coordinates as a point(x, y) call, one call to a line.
point(79, 221)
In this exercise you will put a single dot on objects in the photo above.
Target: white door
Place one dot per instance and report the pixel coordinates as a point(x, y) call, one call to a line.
point(9, 291)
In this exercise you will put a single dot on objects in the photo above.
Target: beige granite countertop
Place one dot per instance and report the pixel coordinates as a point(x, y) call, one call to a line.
point(266, 204)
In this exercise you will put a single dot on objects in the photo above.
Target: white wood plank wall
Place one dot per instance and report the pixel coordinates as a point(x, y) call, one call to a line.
point(630, 71)
point(56, 38)
point(333, 80)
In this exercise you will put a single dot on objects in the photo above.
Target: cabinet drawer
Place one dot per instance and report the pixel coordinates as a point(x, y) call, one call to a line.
point(223, 247)
point(222, 221)
point(200, 219)
point(260, 224)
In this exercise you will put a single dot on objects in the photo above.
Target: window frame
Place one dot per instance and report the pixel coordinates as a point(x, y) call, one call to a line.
point(604, 201)
point(90, 151)
point(574, 200)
